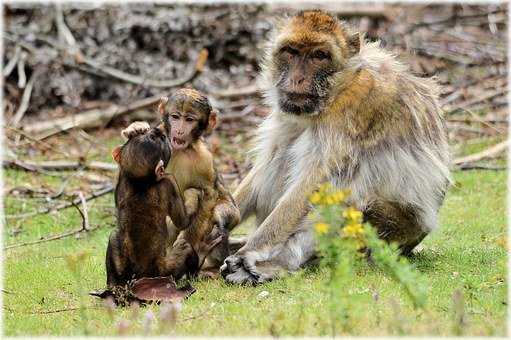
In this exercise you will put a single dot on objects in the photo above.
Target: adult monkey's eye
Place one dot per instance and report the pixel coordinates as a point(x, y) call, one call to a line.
point(321, 55)
point(189, 119)
point(289, 50)
point(174, 116)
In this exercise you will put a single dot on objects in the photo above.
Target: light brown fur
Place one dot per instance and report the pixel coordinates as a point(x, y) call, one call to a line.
point(377, 130)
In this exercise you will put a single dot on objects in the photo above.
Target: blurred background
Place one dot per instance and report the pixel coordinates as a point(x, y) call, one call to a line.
point(79, 73)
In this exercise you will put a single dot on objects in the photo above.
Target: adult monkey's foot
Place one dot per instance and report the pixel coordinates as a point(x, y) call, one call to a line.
point(242, 269)
point(135, 129)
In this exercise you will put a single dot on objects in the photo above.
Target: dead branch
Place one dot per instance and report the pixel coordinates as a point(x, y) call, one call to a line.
point(83, 213)
point(64, 310)
point(466, 167)
point(66, 35)
point(59, 165)
point(343, 9)
point(479, 99)
point(25, 99)
point(13, 62)
point(35, 140)
point(95, 194)
point(478, 120)
point(139, 80)
point(85, 225)
point(22, 77)
point(98, 117)
point(50, 238)
point(491, 152)
point(250, 90)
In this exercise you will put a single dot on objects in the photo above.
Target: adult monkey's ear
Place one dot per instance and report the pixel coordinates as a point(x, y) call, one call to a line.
point(212, 120)
point(161, 105)
point(116, 154)
point(353, 42)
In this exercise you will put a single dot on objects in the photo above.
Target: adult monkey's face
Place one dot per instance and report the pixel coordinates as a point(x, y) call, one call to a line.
point(310, 49)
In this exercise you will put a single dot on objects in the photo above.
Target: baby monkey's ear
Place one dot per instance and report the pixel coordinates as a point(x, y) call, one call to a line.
point(161, 106)
point(212, 121)
point(160, 170)
point(116, 154)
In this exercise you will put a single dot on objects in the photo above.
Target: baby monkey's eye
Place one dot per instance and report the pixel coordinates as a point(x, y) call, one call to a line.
point(174, 116)
point(189, 119)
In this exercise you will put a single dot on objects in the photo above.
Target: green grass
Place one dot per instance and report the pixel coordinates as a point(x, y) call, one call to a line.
point(465, 253)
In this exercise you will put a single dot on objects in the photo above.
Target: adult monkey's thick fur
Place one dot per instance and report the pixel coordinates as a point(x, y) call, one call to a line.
point(366, 124)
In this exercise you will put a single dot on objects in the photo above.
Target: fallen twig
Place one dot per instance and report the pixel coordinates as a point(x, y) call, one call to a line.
point(239, 92)
point(63, 310)
point(139, 80)
point(59, 165)
point(479, 120)
point(465, 167)
point(93, 195)
point(35, 140)
point(51, 238)
point(25, 99)
point(13, 62)
point(83, 213)
point(22, 77)
point(67, 36)
point(97, 117)
point(483, 97)
point(491, 152)
point(64, 33)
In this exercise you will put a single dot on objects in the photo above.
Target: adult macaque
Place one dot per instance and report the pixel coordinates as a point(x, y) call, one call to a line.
point(144, 196)
point(186, 116)
point(346, 112)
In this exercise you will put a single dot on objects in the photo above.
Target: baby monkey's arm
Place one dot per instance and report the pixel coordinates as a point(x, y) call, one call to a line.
point(176, 204)
point(192, 198)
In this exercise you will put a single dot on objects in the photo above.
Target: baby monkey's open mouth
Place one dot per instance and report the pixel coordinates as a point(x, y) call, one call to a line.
point(178, 143)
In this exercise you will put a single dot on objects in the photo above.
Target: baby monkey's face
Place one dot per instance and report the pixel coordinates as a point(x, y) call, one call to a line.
point(142, 154)
point(184, 126)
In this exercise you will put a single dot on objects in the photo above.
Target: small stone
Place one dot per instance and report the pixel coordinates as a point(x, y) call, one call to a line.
point(263, 295)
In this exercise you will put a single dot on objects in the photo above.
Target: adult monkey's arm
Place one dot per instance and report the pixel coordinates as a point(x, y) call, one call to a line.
point(283, 221)
point(245, 195)
point(226, 213)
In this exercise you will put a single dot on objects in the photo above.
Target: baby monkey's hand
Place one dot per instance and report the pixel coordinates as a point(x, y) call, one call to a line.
point(135, 129)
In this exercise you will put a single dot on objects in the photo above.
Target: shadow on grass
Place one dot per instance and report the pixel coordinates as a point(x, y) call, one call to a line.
point(426, 261)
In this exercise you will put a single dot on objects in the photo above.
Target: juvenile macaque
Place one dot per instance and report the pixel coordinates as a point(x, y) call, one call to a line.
point(144, 197)
point(346, 112)
point(186, 116)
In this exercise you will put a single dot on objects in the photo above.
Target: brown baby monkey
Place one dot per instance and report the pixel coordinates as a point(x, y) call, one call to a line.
point(144, 196)
point(186, 117)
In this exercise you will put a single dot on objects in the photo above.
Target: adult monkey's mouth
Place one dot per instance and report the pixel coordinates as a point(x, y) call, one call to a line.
point(298, 103)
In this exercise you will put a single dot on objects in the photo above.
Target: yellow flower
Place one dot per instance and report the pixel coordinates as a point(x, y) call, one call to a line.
point(329, 200)
point(321, 228)
point(325, 187)
point(339, 196)
point(315, 198)
point(353, 229)
point(352, 214)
